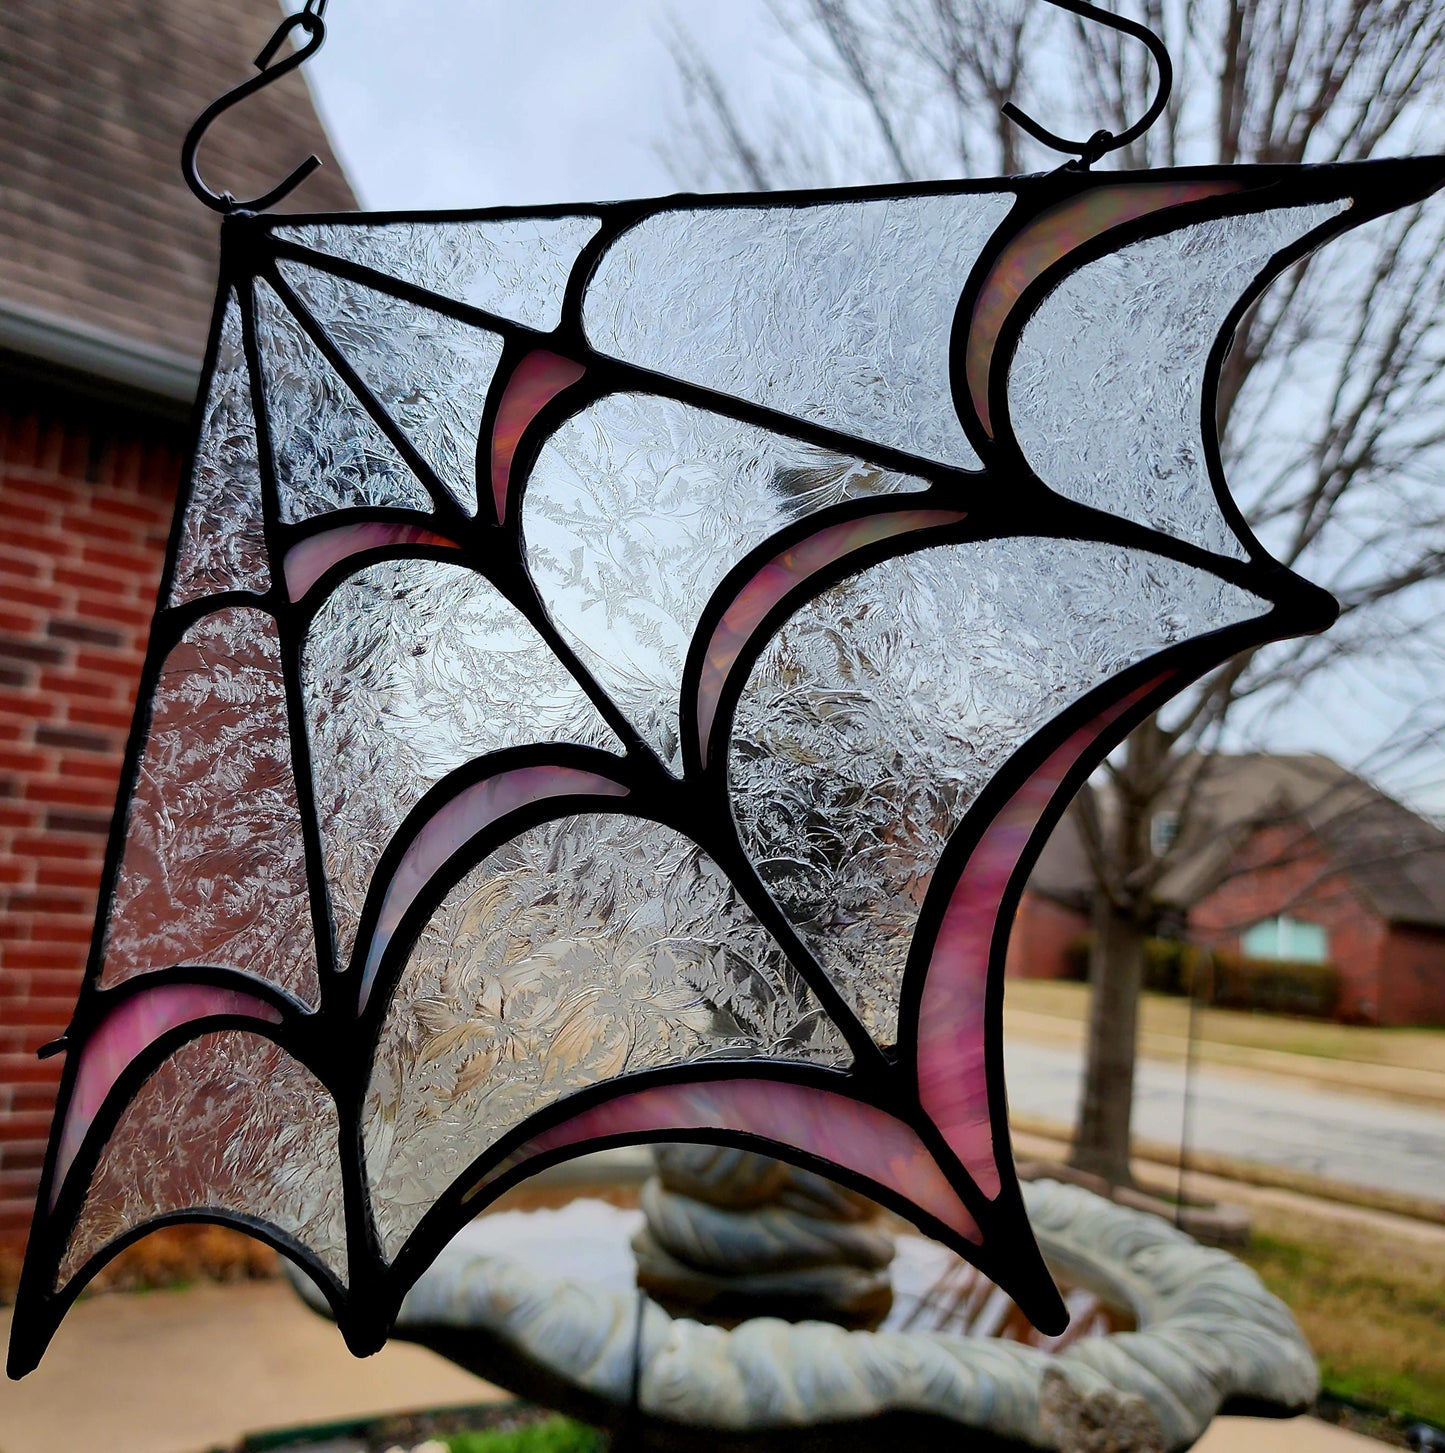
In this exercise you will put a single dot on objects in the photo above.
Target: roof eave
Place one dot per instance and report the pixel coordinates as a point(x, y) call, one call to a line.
point(110, 362)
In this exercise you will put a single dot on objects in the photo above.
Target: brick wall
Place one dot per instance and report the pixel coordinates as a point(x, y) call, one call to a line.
point(1039, 940)
point(1279, 875)
point(1412, 977)
point(86, 494)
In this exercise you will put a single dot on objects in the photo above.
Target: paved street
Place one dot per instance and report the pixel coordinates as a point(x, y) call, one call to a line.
point(1364, 1141)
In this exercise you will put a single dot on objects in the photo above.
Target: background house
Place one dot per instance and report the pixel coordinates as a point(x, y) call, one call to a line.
point(1290, 858)
point(107, 269)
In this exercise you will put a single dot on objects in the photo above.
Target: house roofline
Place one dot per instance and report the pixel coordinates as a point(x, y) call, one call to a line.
point(97, 359)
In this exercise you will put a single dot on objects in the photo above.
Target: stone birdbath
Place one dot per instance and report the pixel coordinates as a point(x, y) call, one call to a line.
point(777, 1311)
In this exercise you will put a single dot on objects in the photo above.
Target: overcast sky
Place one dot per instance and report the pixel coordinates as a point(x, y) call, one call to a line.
point(473, 103)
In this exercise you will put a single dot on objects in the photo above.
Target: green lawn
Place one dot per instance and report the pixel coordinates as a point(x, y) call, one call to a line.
point(1370, 1305)
point(552, 1435)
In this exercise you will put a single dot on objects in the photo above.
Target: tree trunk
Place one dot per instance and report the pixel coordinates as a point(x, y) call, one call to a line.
point(1116, 974)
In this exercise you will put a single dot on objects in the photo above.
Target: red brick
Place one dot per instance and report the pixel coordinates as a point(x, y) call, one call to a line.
point(51, 967)
point(54, 845)
point(24, 1038)
point(15, 564)
point(109, 687)
point(85, 632)
point(33, 1096)
point(29, 514)
point(15, 1217)
point(22, 704)
point(59, 875)
point(125, 509)
point(25, 1125)
point(26, 764)
point(38, 544)
point(74, 930)
point(41, 653)
point(69, 794)
point(73, 739)
point(58, 820)
point(38, 487)
point(14, 1184)
point(105, 607)
point(21, 1155)
point(56, 982)
point(97, 769)
point(44, 597)
point(62, 904)
point(120, 583)
point(107, 530)
point(90, 714)
point(44, 1013)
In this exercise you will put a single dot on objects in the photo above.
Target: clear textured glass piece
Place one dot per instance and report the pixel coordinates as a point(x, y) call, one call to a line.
point(837, 1129)
point(1046, 238)
point(586, 948)
point(840, 313)
point(786, 572)
point(460, 819)
point(410, 669)
point(1106, 388)
point(428, 371)
point(875, 716)
point(635, 511)
point(516, 268)
point(328, 450)
point(230, 1122)
point(223, 542)
point(214, 868)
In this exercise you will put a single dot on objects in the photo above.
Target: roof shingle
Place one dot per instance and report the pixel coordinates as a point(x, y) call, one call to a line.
point(96, 225)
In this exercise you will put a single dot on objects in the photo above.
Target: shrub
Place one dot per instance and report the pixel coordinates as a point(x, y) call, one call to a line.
point(1274, 986)
point(1277, 986)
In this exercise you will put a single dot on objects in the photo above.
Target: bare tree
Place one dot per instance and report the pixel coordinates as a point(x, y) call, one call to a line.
point(1332, 401)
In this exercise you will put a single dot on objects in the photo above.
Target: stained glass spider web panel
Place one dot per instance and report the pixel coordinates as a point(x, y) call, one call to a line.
point(614, 671)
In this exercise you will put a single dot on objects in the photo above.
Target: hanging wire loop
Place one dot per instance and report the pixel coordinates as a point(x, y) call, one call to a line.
point(307, 20)
point(1103, 142)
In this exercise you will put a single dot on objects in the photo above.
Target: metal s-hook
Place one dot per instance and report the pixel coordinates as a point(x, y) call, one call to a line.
point(309, 20)
point(1103, 142)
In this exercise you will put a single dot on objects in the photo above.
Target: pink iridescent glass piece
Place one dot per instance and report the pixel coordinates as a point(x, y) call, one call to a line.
point(534, 383)
point(130, 1028)
point(783, 573)
point(463, 817)
point(952, 1050)
point(309, 559)
point(1053, 234)
point(834, 1127)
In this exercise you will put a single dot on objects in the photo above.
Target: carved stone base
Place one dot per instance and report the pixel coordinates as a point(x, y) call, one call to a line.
point(1208, 1333)
point(731, 1235)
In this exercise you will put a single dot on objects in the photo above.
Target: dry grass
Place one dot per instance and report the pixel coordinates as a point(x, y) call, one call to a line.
point(1371, 1306)
point(1166, 1017)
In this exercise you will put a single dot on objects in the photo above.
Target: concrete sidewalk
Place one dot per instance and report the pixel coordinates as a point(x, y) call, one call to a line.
point(185, 1371)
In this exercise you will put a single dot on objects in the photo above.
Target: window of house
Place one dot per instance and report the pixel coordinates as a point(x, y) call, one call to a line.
point(1163, 830)
point(1287, 938)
